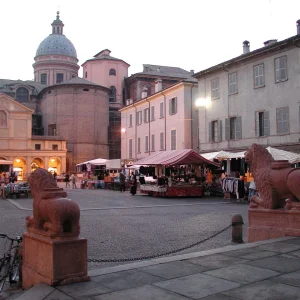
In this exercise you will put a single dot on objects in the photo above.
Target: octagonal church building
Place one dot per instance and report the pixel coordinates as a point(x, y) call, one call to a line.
point(57, 120)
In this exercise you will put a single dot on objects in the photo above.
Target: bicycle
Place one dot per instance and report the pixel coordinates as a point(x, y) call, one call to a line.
point(11, 261)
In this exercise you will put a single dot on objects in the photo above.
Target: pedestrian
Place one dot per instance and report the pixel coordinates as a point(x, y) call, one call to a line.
point(54, 175)
point(252, 190)
point(122, 182)
point(73, 180)
point(133, 185)
point(67, 180)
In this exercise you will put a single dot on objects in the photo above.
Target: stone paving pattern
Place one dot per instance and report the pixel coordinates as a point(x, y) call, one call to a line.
point(228, 273)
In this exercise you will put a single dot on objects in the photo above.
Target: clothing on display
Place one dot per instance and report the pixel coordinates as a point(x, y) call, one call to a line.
point(234, 186)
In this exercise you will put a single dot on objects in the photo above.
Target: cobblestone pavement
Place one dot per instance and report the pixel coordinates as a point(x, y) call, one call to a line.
point(119, 225)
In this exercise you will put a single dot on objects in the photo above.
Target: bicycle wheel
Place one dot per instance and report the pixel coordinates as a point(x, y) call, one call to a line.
point(15, 271)
point(4, 270)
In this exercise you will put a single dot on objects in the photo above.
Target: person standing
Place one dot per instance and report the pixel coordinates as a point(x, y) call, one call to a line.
point(133, 185)
point(73, 180)
point(67, 180)
point(252, 190)
point(122, 182)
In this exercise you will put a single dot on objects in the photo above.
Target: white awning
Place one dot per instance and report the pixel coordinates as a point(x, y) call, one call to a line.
point(5, 162)
point(96, 162)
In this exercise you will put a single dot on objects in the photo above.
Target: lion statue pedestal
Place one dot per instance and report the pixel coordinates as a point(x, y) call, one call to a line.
point(53, 253)
point(276, 211)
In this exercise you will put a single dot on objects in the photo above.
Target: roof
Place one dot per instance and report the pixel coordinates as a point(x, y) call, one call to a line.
point(77, 80)
point(96, 162)
point(164, 71)
point(105, 57)
point(243, 57)
point(6, 83)
point(175, 157)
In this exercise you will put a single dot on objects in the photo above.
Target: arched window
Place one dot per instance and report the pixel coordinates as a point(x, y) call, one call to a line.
point(112, 72)
point(112, 94)
point(22, 94)
point(3, 118)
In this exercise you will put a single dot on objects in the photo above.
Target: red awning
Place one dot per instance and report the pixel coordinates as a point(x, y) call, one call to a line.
point(176, 157)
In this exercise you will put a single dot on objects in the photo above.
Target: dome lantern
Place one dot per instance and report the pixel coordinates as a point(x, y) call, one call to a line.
point(57, 25)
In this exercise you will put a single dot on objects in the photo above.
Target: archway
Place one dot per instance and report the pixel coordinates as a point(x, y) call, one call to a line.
point(54, 165)
point(19, 167)
point(36, 163)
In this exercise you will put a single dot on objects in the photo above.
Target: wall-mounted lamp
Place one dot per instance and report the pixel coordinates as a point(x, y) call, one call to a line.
point(203, 102)
point(52, 160)
point(18, 160)
point(123, 130)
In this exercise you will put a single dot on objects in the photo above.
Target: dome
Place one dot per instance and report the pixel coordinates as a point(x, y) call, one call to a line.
point(56, 44)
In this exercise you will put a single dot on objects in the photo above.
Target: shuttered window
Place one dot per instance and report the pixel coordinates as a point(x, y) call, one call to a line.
point(139, 117)
point(215, 131)
point(130, 120)
point(215, 88)
point(280, 69)
point(130, 148)
point(152, 113)
point(173, 139)
point(233, 128)
point(161, 141)
point(173, 106)
point(3, 118)
point(139, 145)
point(152, 142)
point(161, 110)
point(146, 115)
point(262, 123)
point(259, 75)
point(282, 120)
point(146, 143)
point(232, 83)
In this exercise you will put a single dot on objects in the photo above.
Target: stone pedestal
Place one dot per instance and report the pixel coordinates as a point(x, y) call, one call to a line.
point(264, 224)
point(54, 261)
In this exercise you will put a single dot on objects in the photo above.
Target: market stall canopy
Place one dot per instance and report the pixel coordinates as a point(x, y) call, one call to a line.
point(5, 162)
point(278, 154)
point(176, 157)
point(96, 162)
point(223, 155)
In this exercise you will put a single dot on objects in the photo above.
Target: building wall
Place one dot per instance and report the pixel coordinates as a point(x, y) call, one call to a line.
point(249, 100)
point(184, 122)
point(80, 117)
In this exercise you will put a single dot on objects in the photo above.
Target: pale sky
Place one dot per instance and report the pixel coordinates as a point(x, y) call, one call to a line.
point(191, 34)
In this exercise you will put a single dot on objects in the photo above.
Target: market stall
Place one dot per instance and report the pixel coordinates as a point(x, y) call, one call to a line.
point(178, 173)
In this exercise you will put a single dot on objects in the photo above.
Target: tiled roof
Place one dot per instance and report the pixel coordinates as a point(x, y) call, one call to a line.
point(77, 80)
point(5, 83)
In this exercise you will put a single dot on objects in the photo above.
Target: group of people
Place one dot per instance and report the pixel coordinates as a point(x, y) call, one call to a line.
point(133, 183)
point(67, 179)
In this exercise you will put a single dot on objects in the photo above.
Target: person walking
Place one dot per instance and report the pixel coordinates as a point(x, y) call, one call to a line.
point(73, 180)
point(252, 190)
point(67, 180)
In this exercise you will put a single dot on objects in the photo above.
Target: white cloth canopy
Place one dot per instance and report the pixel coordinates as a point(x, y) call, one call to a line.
point(96, 162)
point(5, 162)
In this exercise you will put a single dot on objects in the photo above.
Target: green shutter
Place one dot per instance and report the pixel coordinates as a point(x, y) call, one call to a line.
point(266, 123)
point(238, 133)
point(227, 129)
point(220, 130)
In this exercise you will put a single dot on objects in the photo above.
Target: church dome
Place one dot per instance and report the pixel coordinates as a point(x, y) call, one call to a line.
point(56, 44)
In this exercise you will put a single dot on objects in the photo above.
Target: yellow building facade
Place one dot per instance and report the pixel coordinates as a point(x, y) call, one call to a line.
point(17, 144)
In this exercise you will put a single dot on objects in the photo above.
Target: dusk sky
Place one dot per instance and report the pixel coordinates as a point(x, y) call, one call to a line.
point(191, 34)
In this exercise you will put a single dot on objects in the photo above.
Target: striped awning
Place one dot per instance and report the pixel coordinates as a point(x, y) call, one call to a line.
point(175, 157)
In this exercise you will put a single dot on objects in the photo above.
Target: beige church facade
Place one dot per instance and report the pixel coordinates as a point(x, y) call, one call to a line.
point(19, 146)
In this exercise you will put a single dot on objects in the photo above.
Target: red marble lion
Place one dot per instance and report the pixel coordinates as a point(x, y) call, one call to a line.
point(53, 214)
point(278, 184)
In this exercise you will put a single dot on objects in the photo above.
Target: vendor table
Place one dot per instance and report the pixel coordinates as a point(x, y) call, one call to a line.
point(173, 191)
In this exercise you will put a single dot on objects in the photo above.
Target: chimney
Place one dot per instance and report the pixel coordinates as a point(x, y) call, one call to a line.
point(246, 47)
point(192, 72)
point(158, 85)
point(144, 92)
point(298, 27)
point(127, 102)
point(270, 42)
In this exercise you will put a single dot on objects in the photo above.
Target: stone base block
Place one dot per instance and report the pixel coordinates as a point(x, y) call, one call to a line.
point(53, 261)
point(267, 224)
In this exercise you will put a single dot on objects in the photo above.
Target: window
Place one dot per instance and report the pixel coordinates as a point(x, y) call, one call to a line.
point(3, 118)
point(139, 118)
point(59, 77)
point(280, 69)
point(262, 123)
point(37, 146)
point(233, 128)
point(85, 74)
point(146, 143)
point(44, 78)
point(161, 109)
point(130, 148)
point(146, 115)
point(22, 94)
point(139, 145)
point(282, 120)
point(259, 75)
point(173, 106)
point(152, 142)
point(112, 72)
point(130, 120)
point(54, 147)
point(215, 88)
point(232, 83)
point(112, 94)
point(215, 131)
point(52, 129)
point(152, 113)
point(173, 139)
point(161, 140)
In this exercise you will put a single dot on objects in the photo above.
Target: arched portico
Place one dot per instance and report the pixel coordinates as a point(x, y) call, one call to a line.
point(19, 167)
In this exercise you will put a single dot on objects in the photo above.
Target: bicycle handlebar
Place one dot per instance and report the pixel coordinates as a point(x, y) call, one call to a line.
point(3, 236)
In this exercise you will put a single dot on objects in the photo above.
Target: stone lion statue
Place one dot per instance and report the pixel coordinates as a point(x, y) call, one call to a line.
point(53, 214)
point(278, 184)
